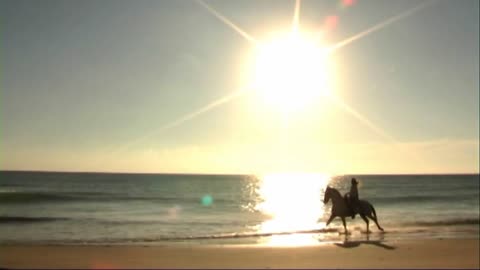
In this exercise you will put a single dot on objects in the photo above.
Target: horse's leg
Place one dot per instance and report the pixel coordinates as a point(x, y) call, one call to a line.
point(376, 222)
point(329, 220)
point(374, 218)
point(366, 221)
point(344, 225)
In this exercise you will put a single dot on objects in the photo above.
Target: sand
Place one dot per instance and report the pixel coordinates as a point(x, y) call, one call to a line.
point(446, 253)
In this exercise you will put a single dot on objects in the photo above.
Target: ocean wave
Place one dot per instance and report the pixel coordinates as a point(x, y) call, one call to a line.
point(31, 197)
point(243, 235)
point(39, 197)
point(20, 219)
point(448, 222)
point(416, 198)
point(170, 222)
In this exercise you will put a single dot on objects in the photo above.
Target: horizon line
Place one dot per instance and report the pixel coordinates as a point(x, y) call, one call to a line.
point(233, 174)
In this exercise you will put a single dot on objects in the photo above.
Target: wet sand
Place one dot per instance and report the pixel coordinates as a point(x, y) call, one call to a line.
point(446, 253)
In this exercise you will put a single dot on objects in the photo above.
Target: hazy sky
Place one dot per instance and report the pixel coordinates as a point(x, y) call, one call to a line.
point(96, 85)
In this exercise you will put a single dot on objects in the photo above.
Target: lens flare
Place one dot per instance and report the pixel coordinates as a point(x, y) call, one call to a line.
point(348, 3)
point(207, 200)
point(331, 22)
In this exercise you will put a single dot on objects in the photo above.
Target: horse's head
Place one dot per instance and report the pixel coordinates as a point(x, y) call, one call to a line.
point(326, 197)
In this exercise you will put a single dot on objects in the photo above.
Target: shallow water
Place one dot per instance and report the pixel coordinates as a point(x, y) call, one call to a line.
point(282, 209)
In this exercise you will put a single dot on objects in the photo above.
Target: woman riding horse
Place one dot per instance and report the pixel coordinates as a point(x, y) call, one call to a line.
point(340, 207)
point(351, 198)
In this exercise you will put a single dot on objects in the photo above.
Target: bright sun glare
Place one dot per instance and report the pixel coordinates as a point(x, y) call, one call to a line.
point(291, 71)
point(293, 201)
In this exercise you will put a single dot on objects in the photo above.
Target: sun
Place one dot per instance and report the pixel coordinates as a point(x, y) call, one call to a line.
point(291, 71)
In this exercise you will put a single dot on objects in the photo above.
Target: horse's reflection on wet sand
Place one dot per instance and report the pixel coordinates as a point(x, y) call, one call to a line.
point(356, 243)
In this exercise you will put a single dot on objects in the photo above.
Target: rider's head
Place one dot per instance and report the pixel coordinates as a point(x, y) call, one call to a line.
point(354, 181)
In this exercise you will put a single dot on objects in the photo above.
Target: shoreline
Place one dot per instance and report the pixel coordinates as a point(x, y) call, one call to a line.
point(313, 237)
point(431, 253)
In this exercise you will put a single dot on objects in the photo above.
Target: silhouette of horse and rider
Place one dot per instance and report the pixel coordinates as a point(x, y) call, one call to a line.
point(350, 205)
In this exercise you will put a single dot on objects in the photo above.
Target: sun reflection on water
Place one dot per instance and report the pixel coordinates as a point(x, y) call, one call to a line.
point(294, 203)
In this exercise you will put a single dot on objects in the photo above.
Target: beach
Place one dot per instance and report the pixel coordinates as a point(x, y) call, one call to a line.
point(240, 134)
point(77, 220)
point(431, 253)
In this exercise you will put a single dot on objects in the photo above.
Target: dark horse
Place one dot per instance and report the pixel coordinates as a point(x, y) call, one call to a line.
point(341, 209)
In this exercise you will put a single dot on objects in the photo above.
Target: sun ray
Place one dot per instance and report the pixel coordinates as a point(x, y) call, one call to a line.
point(204, 109)
point(380, 26)
point(337, 101)
point(363, 119)
point(179, 121)
point(296, 16)
point(227, 22)
point(251, 39)
point(363, 34)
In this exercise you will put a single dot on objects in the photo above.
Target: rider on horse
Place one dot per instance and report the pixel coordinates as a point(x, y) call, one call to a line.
point(351, 198)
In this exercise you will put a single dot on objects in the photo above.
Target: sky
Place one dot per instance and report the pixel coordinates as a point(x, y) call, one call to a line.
point(152, 86)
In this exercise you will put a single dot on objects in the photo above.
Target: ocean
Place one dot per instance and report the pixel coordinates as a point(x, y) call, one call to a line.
point(277, 209)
